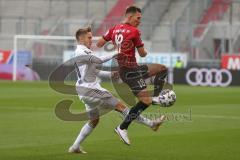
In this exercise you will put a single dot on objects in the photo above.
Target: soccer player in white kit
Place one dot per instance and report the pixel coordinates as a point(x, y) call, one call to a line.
point(91, 93)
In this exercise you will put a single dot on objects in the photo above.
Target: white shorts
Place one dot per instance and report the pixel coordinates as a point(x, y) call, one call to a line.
point(97, 99)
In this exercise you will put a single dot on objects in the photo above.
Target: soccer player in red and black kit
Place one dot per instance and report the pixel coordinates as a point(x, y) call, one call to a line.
point(127, 37)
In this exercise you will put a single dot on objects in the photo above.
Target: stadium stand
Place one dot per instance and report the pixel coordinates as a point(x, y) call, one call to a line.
point(57, 17)
point(151, 18)
point(218, 30)
point(114, 16)
point(162, 33)
point(214, 13)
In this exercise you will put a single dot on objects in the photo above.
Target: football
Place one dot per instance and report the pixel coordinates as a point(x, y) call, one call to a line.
point(167, 98)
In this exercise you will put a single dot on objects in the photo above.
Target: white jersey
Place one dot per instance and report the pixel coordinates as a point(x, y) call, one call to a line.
point(86, 71)
point(86, 63)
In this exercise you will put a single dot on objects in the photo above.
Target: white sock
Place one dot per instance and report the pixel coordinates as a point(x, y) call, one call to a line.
point(140, 119)
point(85, 131)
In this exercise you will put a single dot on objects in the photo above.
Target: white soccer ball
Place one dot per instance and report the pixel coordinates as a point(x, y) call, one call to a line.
point(167, 98)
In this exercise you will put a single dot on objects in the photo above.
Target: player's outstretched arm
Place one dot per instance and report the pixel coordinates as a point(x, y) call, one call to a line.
point(103, 74)
point(104, 58)
point(92, 59)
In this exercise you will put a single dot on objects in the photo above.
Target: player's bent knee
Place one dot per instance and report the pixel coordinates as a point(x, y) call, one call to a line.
point(155, 69)
point(165, 69)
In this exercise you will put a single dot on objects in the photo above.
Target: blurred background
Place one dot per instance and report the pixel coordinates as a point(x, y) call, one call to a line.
point(182, 34)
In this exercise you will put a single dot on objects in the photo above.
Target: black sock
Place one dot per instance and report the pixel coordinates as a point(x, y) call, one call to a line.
point(159, 81)
point(133, 114)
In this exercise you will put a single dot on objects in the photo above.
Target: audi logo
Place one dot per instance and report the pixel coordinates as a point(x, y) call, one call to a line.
point(208, 77)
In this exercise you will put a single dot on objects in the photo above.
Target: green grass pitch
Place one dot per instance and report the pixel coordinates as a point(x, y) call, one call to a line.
point(29, 129)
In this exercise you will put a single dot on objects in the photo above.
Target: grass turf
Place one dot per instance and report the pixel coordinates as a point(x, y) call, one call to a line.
point(203, 124)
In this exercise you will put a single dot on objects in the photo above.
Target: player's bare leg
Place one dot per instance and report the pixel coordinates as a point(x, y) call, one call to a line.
point(145, 97)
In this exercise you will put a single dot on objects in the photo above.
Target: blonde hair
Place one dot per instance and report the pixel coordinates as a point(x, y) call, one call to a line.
point(82, 31)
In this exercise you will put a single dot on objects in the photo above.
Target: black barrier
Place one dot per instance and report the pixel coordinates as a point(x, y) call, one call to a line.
point(207, 77)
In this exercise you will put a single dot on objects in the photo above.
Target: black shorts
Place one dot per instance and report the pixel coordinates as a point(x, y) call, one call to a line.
point(134, 77)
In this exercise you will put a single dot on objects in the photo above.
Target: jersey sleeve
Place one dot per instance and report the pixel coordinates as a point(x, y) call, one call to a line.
point(107, 36)
point(88, 58)
point(137, 40)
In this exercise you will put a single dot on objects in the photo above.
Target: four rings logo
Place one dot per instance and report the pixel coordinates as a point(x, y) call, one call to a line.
point(208, 77)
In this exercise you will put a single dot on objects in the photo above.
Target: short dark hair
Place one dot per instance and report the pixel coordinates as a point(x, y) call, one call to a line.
point(82, 31)
point(133, 9)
